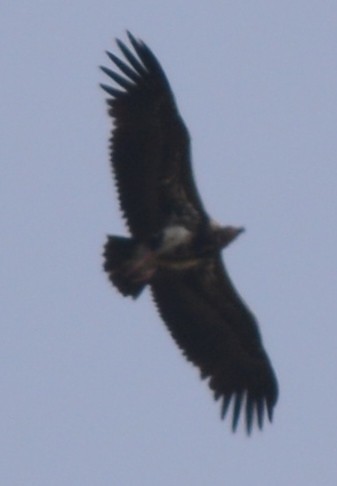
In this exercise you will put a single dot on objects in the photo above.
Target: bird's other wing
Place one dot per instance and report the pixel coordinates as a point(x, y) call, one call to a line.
point(216, 331)
point(150, 147)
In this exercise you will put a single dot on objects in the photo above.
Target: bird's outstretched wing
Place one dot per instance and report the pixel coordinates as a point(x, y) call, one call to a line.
point(150, 147)
point(216, 331)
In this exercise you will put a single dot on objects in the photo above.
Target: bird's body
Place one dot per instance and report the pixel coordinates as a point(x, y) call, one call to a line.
point(174, 246)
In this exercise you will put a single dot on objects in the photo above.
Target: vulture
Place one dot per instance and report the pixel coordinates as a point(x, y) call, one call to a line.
point(174, 246)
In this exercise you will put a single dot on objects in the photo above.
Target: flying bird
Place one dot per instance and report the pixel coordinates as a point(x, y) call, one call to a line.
point(174, 246)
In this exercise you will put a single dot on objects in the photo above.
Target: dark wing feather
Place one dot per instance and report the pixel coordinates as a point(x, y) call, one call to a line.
point(216, 331)
point(150, 147)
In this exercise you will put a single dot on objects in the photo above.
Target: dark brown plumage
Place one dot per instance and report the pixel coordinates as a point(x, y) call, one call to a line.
point(174, 246)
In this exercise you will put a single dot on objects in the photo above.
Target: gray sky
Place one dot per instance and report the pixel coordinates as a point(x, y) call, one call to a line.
point(93, 389)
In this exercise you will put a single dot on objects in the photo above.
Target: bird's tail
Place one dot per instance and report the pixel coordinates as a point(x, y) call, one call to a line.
point(129, 265)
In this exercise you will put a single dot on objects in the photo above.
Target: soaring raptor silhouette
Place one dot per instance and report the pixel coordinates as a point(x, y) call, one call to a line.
point(175, 247)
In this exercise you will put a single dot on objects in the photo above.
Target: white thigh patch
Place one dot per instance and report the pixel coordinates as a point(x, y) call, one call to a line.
point(174, 236)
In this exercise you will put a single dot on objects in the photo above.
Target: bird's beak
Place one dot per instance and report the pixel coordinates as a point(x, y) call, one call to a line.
point(235, 232)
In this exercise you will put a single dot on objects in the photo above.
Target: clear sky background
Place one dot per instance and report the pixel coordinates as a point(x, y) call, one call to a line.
point(93, 389)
